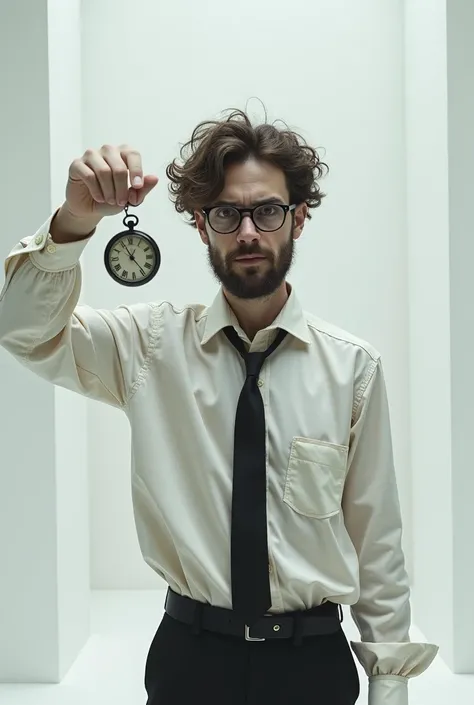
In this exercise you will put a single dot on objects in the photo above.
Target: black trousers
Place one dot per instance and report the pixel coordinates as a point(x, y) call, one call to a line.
point(214, 669)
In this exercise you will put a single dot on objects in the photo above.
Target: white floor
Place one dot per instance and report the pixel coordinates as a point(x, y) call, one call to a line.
point(111, 666)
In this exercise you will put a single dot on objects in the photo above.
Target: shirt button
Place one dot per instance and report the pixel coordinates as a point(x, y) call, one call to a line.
point(260, 382)
point(51, 249)
point(270, 568)
point(39, 239)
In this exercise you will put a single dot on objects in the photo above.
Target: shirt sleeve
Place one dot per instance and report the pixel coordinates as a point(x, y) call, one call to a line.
point(372, 517)
point(98, 353)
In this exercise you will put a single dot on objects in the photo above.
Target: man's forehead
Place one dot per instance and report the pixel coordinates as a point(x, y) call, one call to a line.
point(226, 200)
point(253, 181)
point(255, 173)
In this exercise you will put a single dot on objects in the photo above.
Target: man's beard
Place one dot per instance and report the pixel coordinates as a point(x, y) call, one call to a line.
point(252, 281)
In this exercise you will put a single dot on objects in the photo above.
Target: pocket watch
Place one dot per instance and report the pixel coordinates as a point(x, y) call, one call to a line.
point(132, 258)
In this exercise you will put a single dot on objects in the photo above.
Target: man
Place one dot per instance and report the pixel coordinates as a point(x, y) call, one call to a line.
point(263, 482)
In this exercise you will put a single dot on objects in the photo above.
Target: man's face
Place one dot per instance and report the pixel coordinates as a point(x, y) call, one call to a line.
point(245, 185)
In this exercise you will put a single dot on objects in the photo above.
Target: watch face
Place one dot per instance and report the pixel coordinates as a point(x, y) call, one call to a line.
point(132, 258)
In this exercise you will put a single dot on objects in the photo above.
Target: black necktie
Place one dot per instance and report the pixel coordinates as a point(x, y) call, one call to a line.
point(251, 596)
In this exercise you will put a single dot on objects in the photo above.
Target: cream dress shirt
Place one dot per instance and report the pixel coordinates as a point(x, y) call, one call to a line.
point(334, 523)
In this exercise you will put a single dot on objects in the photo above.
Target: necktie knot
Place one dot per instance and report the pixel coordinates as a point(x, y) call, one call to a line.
point(254, 362)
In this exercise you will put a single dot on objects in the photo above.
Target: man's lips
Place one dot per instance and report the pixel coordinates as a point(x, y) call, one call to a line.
point(250, 257)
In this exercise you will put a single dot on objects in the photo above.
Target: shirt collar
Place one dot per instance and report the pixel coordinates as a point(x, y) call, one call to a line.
point(291, 318)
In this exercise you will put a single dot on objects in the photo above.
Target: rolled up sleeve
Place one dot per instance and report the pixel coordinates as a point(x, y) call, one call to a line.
point(373, 520)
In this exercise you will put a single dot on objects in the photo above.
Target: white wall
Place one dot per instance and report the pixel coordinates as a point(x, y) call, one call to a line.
point(460, 30)
point(336, 74)
point(44, 541)
point(440, 145)
point(72, 500)
point(428, 224)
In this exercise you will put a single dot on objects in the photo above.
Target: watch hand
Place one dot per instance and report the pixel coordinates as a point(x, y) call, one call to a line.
point(128, 251)
point(141, 270)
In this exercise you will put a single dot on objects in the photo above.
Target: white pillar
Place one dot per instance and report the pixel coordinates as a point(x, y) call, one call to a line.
point(440, 145)
point(44, 535)
point(460, 53)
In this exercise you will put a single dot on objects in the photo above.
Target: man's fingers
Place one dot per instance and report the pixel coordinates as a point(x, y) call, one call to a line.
point(137, 196)
point(133, 160)
point(103, 173)
point(81, 172)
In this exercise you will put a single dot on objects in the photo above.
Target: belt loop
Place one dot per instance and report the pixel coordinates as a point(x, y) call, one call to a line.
point(298, 625)
point(197, 624)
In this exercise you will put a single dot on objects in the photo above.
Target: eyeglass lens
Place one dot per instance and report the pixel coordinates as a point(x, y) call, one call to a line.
point(225, 219)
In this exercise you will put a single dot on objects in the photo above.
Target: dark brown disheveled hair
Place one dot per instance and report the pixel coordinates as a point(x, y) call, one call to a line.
point(214, 145)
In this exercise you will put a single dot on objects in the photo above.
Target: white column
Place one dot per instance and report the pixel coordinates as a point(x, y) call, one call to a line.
point(440, 148)
point(460, 55)
point(44, 539)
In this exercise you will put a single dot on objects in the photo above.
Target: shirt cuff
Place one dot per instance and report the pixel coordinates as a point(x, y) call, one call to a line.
point(390, 666)
point(405, 659)
point(52, 256)
point(388, 690)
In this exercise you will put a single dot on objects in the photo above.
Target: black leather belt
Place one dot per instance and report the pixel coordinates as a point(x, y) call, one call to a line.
point(325, 619)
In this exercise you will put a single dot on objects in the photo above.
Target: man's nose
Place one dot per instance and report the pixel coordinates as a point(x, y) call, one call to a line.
point(247, 230)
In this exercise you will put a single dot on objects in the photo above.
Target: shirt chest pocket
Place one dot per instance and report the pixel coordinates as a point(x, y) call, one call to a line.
point(315, 477)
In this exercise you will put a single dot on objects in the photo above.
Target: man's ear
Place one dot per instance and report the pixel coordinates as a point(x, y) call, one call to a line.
point(301, 213)
point(201, 226)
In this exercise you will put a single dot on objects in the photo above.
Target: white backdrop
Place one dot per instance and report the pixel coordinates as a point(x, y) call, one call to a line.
point(384, 90)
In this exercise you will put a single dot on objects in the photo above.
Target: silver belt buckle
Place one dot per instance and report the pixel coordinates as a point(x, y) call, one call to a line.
point(248, 637)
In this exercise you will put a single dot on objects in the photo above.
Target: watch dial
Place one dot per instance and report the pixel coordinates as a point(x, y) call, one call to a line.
point(132, 258)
